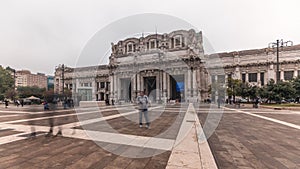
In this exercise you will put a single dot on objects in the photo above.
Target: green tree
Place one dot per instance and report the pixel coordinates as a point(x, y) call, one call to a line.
point(263, 93)
point(234, 87)
point(279, 91)
point(253, 92)
point(284, 90)
point(244, 90)
point(296, 85)
point(6, 81)
point(31, 91)
point(10, 94)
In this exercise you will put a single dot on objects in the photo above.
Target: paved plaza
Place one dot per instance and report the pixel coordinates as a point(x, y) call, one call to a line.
point(255, 138)
point(109, 137)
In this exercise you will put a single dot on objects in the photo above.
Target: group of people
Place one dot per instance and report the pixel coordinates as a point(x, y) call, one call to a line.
point(16, 102)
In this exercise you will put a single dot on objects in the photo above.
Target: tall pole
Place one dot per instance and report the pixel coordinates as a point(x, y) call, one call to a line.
point(14, 84)
point(136, 74)
point(14, 79)
point(277, 53)
point(63, 79)
point(277, 44)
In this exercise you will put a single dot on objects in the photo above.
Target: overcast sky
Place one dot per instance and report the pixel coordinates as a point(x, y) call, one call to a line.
point(40, 34)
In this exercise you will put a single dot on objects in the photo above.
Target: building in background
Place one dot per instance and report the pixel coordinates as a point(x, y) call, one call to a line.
point(50, 82)
point(25, 78)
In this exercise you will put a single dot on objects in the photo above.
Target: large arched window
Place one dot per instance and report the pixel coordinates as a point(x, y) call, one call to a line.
point(177, 41)
point(130, 47)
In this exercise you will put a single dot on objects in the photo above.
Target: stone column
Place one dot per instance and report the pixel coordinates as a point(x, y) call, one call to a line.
point(94, 90)
point(200, 81)
point(141, 83)
point(168, 85)
point(115, 87)
point(295, 73)
point(111, 79)
point(189, 80)
point(281, 74)
point(164, 87)
point(138, 82)
point(247, 77)
point(258, 78)
point(133, 86)
point(194, 85)
point(157, 86)
point(216, 91)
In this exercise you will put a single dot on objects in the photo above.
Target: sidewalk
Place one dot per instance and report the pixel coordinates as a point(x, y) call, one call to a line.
point(191, 152)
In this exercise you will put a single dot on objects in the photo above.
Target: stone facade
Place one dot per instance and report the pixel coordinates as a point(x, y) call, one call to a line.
point(166, 66)
point(258, 66)
point(172, 66)
point(85, 83)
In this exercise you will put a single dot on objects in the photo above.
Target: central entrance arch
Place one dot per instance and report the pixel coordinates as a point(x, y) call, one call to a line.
point(177, 87)
point(150, 87)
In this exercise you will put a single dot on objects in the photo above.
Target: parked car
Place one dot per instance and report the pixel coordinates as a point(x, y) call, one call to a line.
point(27, 102)
point(242, 100)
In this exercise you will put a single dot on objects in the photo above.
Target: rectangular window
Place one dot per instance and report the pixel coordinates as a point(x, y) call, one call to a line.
point(177, 41)
point(221, 78)
point(243, 77)
point(147, 45)
point(152, 44)
point(107, 85)
point(102, 84)
point(288, 75)
point(252, 77)
point(213, 80)
point(130, 48)
point(262, 78)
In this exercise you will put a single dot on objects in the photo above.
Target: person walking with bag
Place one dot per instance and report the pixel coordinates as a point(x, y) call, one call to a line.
point(143, 101)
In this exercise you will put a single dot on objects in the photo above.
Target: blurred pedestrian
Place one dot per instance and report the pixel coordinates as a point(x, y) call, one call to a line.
point(6, 103)
point(22, 102)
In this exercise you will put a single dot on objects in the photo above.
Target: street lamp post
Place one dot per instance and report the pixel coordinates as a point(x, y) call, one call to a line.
point(136, 74)
point(63, 79)
point(277, 44)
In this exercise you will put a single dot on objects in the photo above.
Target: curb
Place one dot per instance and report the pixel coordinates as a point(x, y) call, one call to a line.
point(191, 152)
point(280, 108)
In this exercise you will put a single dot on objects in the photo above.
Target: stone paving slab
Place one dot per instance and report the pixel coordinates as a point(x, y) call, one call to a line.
point(64, 152)
point(291, 118)
point(61, 152)
point(242, 141)
point(7, 132)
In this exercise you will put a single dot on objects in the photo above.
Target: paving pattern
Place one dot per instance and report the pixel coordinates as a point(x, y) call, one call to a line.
point(243, 140)
point(75, 149)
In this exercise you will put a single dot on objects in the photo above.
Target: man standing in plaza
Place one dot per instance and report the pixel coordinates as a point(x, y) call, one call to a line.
point(142, 101)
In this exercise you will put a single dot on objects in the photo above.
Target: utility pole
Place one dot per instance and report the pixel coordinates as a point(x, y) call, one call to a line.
point(277, 44)
point(63, 79)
